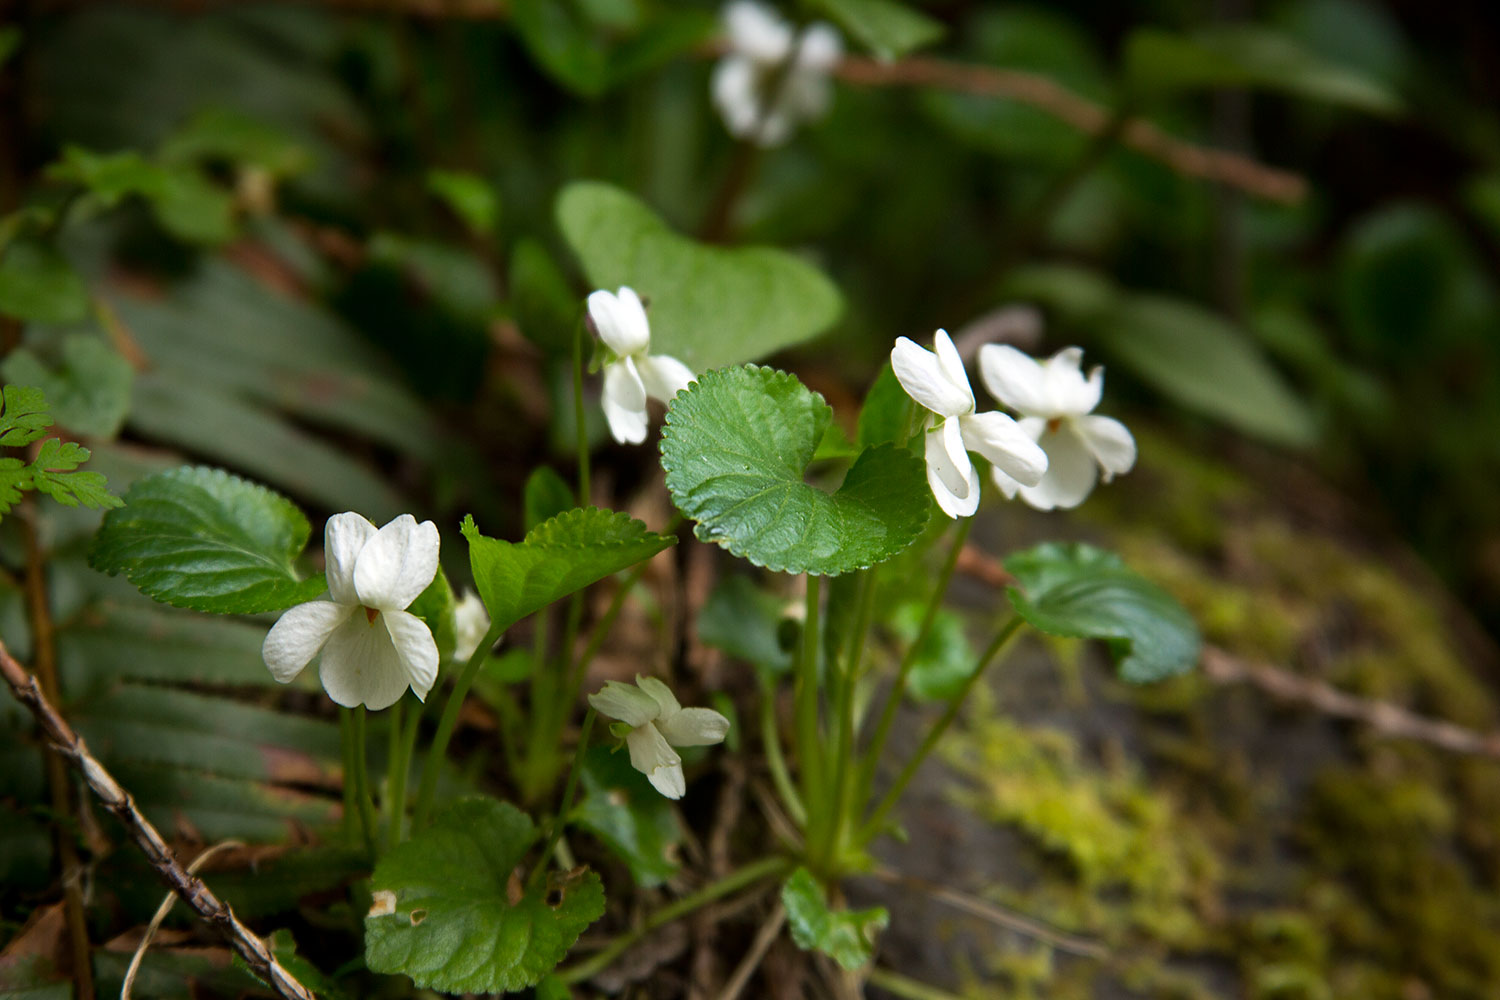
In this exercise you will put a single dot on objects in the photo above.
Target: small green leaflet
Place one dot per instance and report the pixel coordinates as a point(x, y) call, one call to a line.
point(545, 496)
point(631, 818)
point(847, 936)
point(708, 306)
point(888, 29)
point(736, 447)
point(453, 911)
point(24, 417)
point(468, 196)
point(563, 554)
point(183, 200)
point(52, 473)
point(200, 538)
point(1081, 592)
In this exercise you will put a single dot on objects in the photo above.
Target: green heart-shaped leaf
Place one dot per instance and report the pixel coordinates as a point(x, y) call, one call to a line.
point(200, 538)
point(452, 912)
point(736, 446)
point(1078, 591)
point(709, 306)
point(563, 554)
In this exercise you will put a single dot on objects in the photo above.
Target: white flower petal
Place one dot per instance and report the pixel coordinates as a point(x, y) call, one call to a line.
point(819, 49)
point(1016, 379)
point(1070, 393)
point(947, 459)
point(621, 321)
point(663, 376)
point(652, 756)
point(950, 503)
point(1071, 472)
point(1033, 428)
point(1109, 442)
point(734, 88)
point(624, 402)
point(952, 365)
point(625, 702)
point(298, 635)
point(666, 701)
point(416, 647)
point(343, 537)
point(397, 564)
point(756, 31)
point(470, 621)
point(1007, 485)
point(921, 374)
point(360, 665)
point(693, 727)
point(1001, 440)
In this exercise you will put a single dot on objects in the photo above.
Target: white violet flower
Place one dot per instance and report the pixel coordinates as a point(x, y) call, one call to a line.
point(373, 650)
point(471, 622)
point(759, 44)
point(631, 374)
point(658, 723)
point(1056, 401)
point(938, 382)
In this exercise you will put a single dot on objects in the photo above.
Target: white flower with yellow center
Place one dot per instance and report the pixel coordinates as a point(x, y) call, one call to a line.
point(630, 373)
point(373, 650)
point(1056, 404)
point(759, 45)
point(937, 381)
point(657, 724)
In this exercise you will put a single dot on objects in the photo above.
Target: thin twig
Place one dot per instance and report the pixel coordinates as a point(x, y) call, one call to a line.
point(208, 906)
point(758, 948)
point(1386, 719)
point(985, 910)
point(161, 915)
point(1051, 97)
point(44, 650)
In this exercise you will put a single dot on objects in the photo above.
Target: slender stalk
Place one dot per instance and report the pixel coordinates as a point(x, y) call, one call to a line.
point(854, 654)
point(402, 739)
point(898, 688)
point(346, 745)
point(809, 749)
point(955, 704)
point(64, 827)
point(362, 780)
point(561, 819)
point(771, 742)
point(750, 874)
point(437, 750)
point(579, 418)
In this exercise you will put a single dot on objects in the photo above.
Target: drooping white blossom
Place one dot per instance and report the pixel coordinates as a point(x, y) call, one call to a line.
point(631, 373)
point(937, 381)
point(657, 724)
point(1056, 403)
point(470, 622)
point(373, 650)
point(751, 73)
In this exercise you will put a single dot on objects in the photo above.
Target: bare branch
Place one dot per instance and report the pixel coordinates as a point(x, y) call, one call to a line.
point(209, 907)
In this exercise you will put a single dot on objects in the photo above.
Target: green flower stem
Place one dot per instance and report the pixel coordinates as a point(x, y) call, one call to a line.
point(873, 826)
point(582, 427)
point(809, 747)
point(437, 751)
point(395, 718)
point(771, 741)
point(843, 764)
point(403, 740)
point(757, 871)
point(362, 781)
point(561, 819)
point(898, 688)
point(346, 746)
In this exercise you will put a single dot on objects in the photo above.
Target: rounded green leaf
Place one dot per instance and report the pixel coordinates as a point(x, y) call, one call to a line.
point(1079, 591)
point(453, 913)
point(201, 538)
point(735, 448)
point(847, 936)
point(709, 306)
